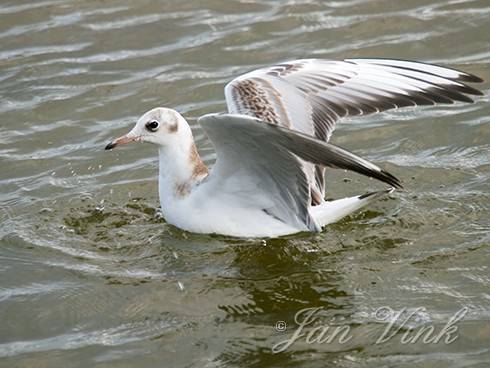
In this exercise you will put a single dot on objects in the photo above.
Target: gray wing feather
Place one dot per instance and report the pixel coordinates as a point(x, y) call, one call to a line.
point(261, 167)
point(311, 95)
point(269, 154)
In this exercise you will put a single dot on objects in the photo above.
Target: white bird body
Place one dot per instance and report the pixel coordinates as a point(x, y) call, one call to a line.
point(241, 214)
point(220, 215)
point(229, 203)
point(234, 208)
point(272, 148)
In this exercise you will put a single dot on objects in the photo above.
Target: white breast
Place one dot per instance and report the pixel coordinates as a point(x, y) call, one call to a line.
point(224, 213)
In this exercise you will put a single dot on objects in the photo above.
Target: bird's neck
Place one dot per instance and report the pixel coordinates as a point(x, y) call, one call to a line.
point(181, 169)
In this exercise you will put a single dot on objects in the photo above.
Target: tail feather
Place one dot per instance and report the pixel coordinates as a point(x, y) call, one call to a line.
point(332, 211)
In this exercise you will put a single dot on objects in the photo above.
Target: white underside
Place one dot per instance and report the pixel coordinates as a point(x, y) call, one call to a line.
point(240, 222)
point(225, 215)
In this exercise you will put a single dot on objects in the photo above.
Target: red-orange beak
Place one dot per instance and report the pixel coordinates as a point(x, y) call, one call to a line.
point(121, 140)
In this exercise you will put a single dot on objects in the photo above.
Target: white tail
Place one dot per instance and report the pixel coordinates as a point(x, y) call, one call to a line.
point(332, 211)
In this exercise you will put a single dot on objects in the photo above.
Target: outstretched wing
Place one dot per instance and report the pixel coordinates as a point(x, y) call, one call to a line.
point(310, 95)
point(267, 162)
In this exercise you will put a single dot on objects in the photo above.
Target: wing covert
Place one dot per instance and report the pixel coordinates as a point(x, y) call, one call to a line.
point(311, 95)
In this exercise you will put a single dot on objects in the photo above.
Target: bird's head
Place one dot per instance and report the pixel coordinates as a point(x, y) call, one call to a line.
point(160, 126)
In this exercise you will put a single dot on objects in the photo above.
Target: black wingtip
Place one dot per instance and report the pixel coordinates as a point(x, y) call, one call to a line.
point(469, 90)
point(390, 179)
point(377, 193)
point(471, 78)
point(367, 195)
point(110, 146)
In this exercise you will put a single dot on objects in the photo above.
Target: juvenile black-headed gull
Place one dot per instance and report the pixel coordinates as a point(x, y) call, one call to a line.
point(272, 150)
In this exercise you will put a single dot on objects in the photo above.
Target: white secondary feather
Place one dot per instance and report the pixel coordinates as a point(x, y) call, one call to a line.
point(272, 148)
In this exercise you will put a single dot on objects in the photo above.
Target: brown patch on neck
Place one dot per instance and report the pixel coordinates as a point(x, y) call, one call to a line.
point(182, 189)
point(198, 173)
point(199, 169)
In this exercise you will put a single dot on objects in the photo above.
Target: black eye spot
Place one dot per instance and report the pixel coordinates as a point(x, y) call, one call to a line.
point(152, 126)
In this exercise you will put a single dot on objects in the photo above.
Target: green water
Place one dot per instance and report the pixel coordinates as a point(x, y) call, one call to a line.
point(92, 276)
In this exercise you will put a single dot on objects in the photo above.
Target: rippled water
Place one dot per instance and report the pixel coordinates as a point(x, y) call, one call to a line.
point(90, 274)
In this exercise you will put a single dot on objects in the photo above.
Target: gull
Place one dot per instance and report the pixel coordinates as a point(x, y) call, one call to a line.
point(272, 146)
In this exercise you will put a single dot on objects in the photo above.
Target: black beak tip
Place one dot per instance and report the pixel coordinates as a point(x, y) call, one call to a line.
point(110, 146)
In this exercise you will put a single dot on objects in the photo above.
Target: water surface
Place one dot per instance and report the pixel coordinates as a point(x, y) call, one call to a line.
point(92, 276)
